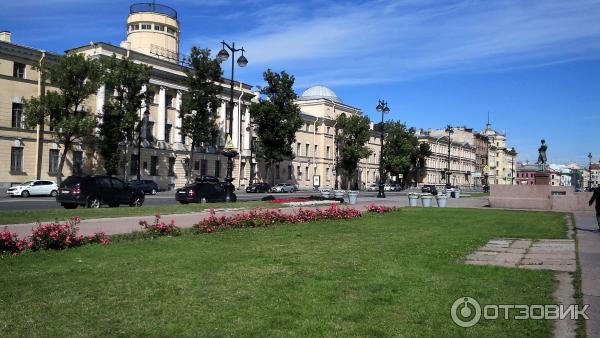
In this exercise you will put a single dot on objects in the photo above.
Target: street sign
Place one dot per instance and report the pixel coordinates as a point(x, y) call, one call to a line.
point(316, 181)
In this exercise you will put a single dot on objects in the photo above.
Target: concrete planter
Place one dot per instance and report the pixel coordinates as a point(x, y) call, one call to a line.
point(339, 193)
point(442, 200)
point(352, 196)
point(413, 200)
point(426, 200)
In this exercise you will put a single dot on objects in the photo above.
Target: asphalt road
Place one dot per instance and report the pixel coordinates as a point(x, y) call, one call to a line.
point(162, 198)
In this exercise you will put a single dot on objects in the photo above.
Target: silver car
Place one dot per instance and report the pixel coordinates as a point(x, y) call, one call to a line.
point(33, 188)
point(284, 187)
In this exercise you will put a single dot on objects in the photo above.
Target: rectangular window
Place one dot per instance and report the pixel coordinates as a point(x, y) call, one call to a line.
point(153, 165)
point(316, 150)
point(217, 168)
point(298, 172)
point(168, 129)
point(19, 70)
point(327, 174)
point(277, 171)
point(133, 166)
point(328, 130)
point(196, 165)
point(298, 149)
point(53, 161)
point(78, 163)
point(328, 152)
point(16, 160)
point(149, 129)
point(146, 26)
point(307, 150)
point(135, 27)
point(171, 31)
point(307, 172)
point(171, 166)
point(169, 101)
point(290, 172)
point(17, 115)
point(203, 167)
point(159, 28)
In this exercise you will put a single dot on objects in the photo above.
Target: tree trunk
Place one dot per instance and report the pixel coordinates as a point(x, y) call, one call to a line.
point(272, 168)
point(61, 164)
point(191, 163)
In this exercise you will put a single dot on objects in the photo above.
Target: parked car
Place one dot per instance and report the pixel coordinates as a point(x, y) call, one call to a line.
point(206, 178)
point(147, 186)
point(94, 191)
point(373, 187)
point(429, 188)
point(259, 187)
point(396, 187)
point(284, 187)
point(387, 187)
point(202, 192)
point(33, 188)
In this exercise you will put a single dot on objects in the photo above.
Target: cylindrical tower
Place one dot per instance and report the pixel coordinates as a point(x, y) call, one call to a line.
point(153, 29)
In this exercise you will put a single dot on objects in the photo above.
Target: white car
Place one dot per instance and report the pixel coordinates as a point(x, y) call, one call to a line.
point(33, 188)
point(284, 187)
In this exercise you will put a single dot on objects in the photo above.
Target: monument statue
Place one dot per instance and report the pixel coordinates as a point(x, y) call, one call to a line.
point(542, 159)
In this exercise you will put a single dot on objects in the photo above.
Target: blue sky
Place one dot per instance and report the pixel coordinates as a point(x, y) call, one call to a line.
point(534, 65)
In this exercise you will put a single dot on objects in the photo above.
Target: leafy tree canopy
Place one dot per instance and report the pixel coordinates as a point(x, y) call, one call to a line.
point(353, 136)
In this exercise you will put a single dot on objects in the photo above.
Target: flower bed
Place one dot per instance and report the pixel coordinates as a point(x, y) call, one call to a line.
point(51, 236)
point(379, 209)
point(261, 218)
point(159, 228)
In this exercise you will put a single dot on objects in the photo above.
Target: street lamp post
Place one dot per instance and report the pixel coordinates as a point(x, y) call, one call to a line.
point(382, 107)
point(229, 150)
point(513, 154)
point(590, 172)
point(450, 131)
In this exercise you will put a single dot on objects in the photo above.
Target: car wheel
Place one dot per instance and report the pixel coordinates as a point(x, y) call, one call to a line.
point(94, 202)
point(25, 194)
point(70, 206)
point(153, 192)
point(136, 201)
point(53, 193)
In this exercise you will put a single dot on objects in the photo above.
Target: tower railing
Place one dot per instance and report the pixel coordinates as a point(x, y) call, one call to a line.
point(153, 8)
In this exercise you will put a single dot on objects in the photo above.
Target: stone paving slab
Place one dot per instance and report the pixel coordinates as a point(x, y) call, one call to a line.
point(555, 255)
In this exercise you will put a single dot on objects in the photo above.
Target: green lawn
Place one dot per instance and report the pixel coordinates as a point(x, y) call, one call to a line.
point(31, 216)
point(395, 274)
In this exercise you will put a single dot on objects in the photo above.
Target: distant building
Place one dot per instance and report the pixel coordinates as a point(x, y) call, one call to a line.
point(595, 175)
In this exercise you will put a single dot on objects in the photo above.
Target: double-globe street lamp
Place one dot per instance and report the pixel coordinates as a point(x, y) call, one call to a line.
point(229, 150)
point(382, 107)
point(590, 172)
point(450, 131)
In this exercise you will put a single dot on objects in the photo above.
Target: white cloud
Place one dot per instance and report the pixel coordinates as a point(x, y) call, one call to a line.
point(385, 41)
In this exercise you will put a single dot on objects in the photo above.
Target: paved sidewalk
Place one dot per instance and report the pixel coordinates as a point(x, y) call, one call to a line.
point(128, 224)
point(589, 258)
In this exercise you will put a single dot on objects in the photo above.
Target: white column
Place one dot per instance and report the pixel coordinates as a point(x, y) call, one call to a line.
point(160, 121)
point(223, 124)
point(100, 97)
point(246, 130)
point(177, 136)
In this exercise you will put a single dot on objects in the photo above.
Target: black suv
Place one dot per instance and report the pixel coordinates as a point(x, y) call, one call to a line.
point(429, 188)
point(147, 186)
point(259, 187)
point(93, 191)
point(202, 192)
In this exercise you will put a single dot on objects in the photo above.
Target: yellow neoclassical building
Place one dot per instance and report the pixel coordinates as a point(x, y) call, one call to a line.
point(153, 33)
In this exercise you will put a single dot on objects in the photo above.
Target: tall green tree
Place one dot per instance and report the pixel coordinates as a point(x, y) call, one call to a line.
point(76, 77)
point(276, 118)
point(200, 103)
point(402, 152)
point(124, 80)
point(354, 133)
